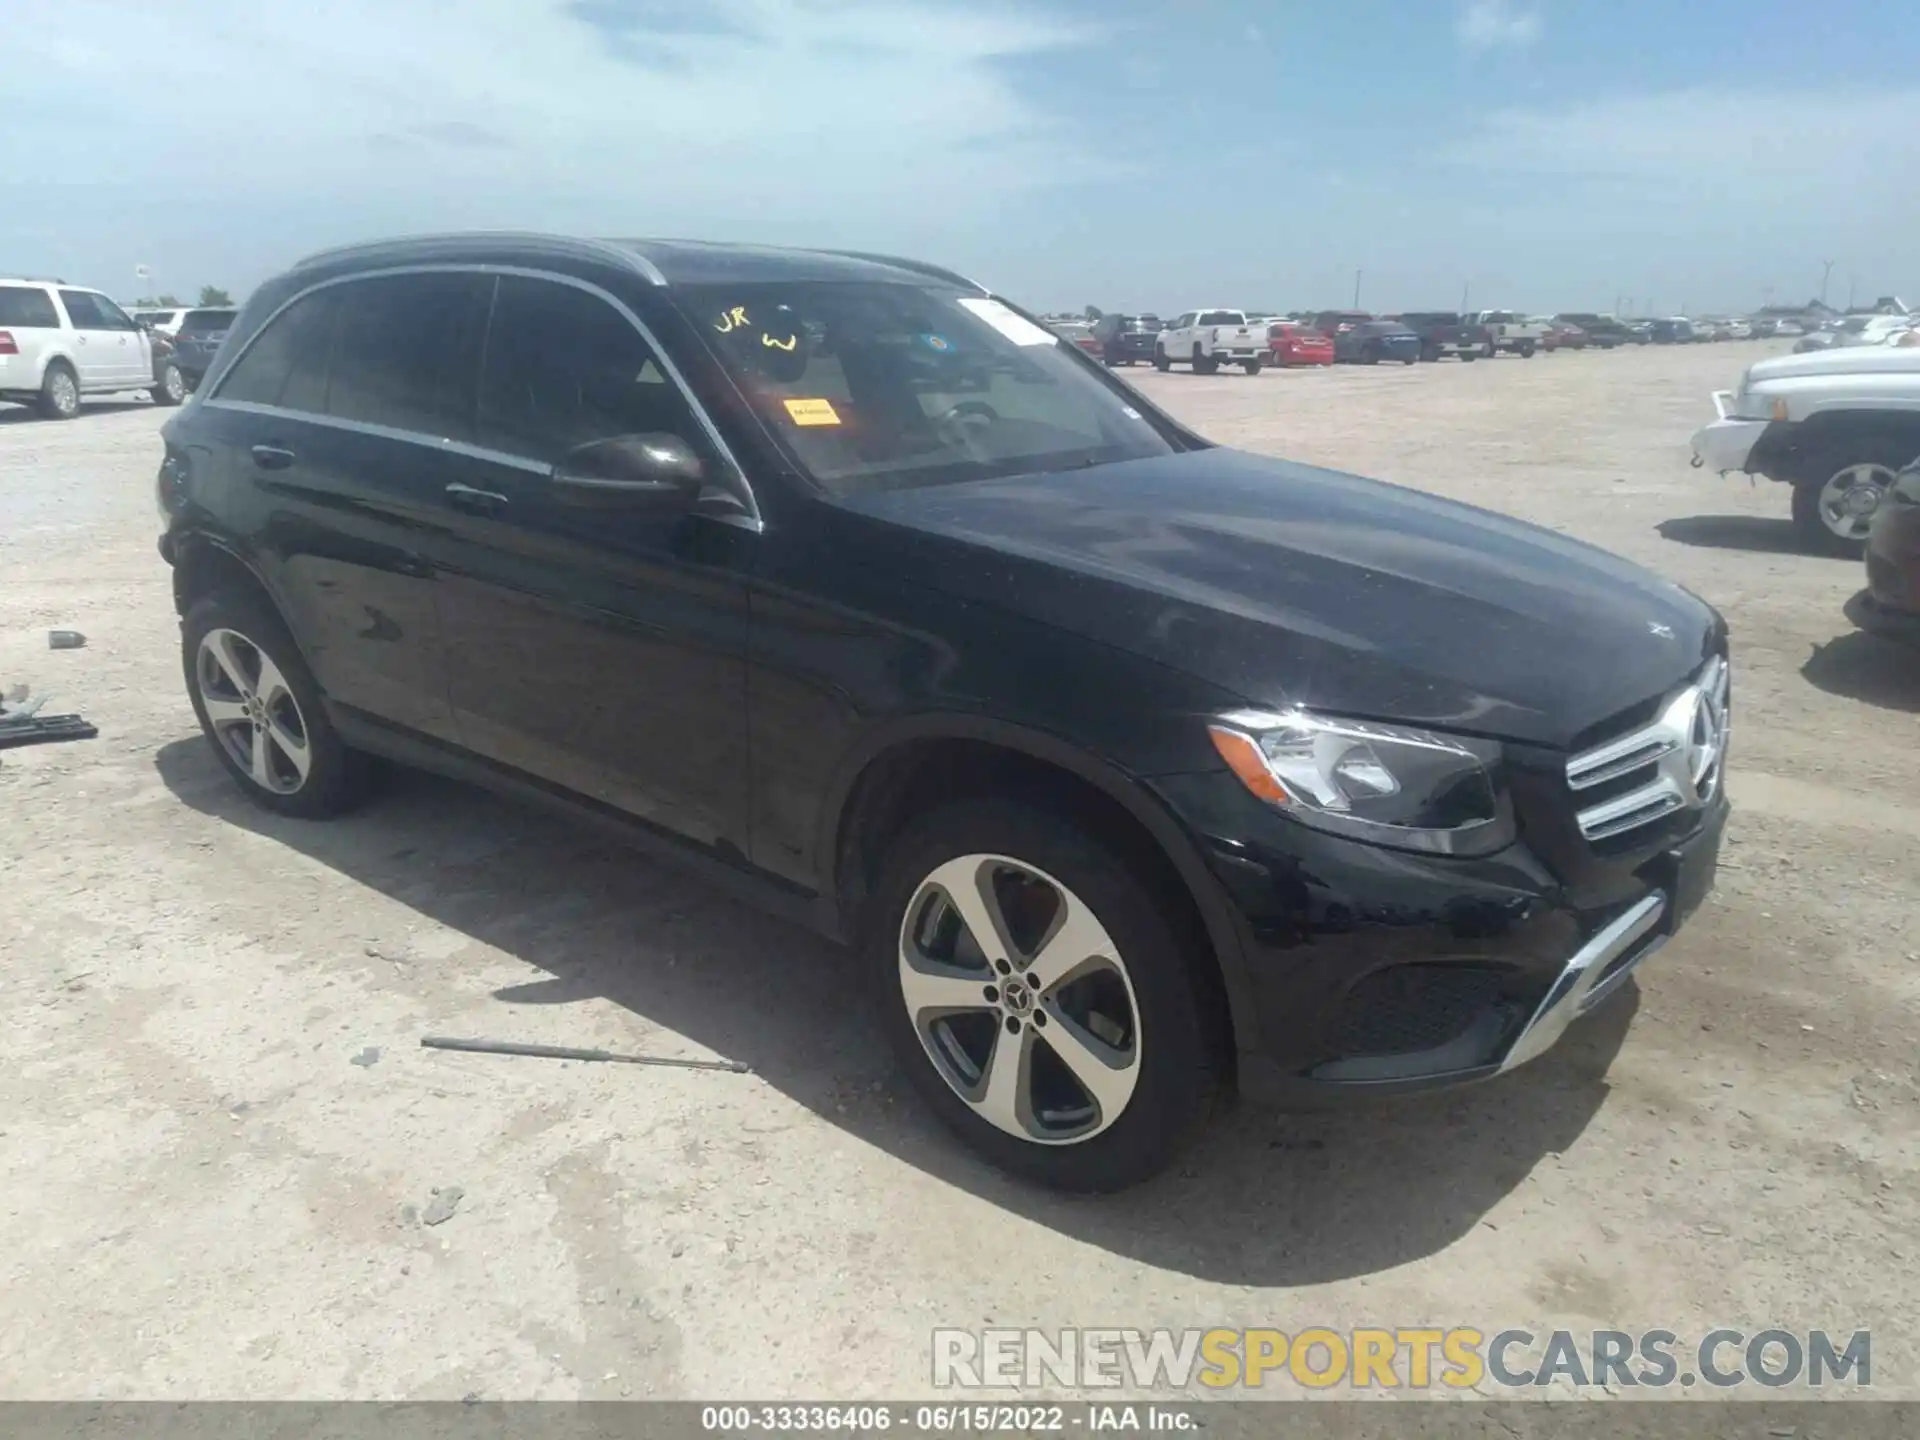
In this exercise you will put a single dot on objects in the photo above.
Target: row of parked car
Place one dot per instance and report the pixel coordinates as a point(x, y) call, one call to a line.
point(1207, 339)
point(60, 342)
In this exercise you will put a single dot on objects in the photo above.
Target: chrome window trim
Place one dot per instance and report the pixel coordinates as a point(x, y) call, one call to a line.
point(737, 487)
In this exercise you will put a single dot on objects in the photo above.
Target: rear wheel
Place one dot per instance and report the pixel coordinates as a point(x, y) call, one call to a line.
point(1037, 991)
point(1252, 367)
point(60, 392)
point(1203, 364)
point(1160, 360)
point(261, 710)
point(1526, 349)
point(1430, 354)
point(1468, 357)
point(1489, 350)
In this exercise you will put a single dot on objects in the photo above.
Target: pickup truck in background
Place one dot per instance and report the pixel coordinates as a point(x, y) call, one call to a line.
point(1444, 333)
point(1508, 333)
point(1208, 339)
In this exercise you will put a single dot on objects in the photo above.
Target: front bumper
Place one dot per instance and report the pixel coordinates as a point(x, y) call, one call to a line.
point(1371, 971)
point(1728, 442)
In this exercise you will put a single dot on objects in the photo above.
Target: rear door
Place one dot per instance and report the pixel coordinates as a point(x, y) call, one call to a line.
point(600, 649)
point(352, 402)
point(99, 351)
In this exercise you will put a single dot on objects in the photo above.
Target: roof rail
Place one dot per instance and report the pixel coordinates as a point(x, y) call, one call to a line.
point(599, 249)
point(919, 267)
point(36, 279)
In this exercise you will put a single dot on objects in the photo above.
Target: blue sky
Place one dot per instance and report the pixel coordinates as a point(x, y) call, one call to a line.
point(1551, 154)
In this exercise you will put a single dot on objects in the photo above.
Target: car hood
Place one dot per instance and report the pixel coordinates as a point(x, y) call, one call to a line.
point(1284, 584)
point(1872, 358)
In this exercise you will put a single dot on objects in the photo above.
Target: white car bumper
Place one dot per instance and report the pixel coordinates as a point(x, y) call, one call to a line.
point(1727, 442)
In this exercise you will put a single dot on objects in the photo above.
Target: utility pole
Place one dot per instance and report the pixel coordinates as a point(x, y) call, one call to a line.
point(1824, 273)
point(1466, 289)
point(1849, 290)
point(1356, 288)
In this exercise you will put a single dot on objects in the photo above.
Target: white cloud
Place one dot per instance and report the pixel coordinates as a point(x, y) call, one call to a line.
point(646, 115)
point(1486, 24)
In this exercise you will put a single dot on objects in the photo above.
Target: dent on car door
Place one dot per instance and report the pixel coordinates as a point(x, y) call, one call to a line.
point(591, 643)
point(350, 398)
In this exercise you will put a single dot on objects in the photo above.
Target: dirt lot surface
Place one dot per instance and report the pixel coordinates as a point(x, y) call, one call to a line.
point(220, 1142)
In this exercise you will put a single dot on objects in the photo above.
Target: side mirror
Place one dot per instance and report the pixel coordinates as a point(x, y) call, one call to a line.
point(631, 472)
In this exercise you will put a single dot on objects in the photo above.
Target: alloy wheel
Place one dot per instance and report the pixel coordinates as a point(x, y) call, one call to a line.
point(1020, 999)
point(173, 385)
point(65, 392)
point(1851, 496)
point(252, 712)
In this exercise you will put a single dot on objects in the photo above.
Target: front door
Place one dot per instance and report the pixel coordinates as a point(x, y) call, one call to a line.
point(598, 649)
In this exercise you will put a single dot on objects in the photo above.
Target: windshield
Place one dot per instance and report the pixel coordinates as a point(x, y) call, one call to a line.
point(874, 386)
point(1223, 317)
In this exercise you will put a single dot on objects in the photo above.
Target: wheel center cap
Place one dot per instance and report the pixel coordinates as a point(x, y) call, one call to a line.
point(1863, 499)
point(1019, 998)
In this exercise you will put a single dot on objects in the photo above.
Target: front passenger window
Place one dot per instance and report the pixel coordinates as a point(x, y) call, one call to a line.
point(564, 368)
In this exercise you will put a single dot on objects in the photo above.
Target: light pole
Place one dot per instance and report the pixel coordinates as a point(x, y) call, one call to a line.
point(1356, 288)
point(1826, 270)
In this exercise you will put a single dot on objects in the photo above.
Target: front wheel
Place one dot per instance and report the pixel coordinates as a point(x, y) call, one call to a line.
point(1526, 350)
point(1038, 993)
point(171, 388)
point(1833, 511)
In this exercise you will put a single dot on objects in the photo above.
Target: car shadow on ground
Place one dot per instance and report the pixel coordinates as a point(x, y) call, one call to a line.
point(13, 414)
point(1735, 532)
point(1867, 668)
point(1264, 1198)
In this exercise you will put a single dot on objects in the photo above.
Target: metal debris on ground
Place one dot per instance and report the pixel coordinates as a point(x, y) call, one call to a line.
point(440, 1209)
point(65, 640)
point(565, 1052)
point(21, 722)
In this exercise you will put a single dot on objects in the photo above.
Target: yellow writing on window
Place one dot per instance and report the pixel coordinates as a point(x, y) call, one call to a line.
point(732, 320)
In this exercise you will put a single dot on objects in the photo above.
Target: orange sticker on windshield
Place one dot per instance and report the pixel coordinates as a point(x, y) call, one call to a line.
point(813, 412)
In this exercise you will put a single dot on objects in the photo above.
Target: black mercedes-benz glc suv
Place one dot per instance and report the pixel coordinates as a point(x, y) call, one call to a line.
point(1134, 766)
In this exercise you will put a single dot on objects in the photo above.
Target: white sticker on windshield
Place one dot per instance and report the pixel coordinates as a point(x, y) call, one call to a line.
point(1017, 328)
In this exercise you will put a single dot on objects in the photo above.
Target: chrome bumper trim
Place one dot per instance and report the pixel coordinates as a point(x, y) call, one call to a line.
point(1580, 987)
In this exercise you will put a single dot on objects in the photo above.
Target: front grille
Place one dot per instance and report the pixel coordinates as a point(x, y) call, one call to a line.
point(1668, 763)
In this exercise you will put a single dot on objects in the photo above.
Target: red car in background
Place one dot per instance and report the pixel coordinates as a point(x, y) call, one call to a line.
point(1291, 342)
point(1563, 335)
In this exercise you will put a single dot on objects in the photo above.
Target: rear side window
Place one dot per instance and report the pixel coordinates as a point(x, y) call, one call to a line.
point(25, 308)
point(200, 322)
point(287, 363)
point(563, 368)
point(406, 352)
point(84, 311)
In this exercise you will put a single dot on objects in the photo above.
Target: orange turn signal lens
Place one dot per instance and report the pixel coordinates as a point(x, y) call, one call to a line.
point(1243, 757)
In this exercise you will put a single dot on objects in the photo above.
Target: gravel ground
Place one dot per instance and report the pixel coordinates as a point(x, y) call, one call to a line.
point(220, 1146)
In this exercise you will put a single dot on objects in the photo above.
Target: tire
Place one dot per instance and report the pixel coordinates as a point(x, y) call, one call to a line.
point(1834, 503)
point(172, 387)
point(1467, 357)
point(1430, 354)
point(1369, 356)
point(227, 642)
point(1526, 349)
point(1160, 360)
point(59, 392)
point(1252, 367)
point(1411, 360)
point(1204, 364)
point(1161, 1097)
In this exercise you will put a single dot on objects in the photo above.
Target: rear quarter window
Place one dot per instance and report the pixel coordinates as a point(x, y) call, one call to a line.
point(22, 307)
point(199, 322)
point(286, 365)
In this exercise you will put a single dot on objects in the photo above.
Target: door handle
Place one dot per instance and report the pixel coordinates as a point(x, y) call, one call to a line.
point(480, 502)
point(272, 457)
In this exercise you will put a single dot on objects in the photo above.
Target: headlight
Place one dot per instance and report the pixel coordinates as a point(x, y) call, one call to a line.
point(1382, 783)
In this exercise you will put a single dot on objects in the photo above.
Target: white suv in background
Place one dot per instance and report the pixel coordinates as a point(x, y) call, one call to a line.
point(59, 342)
